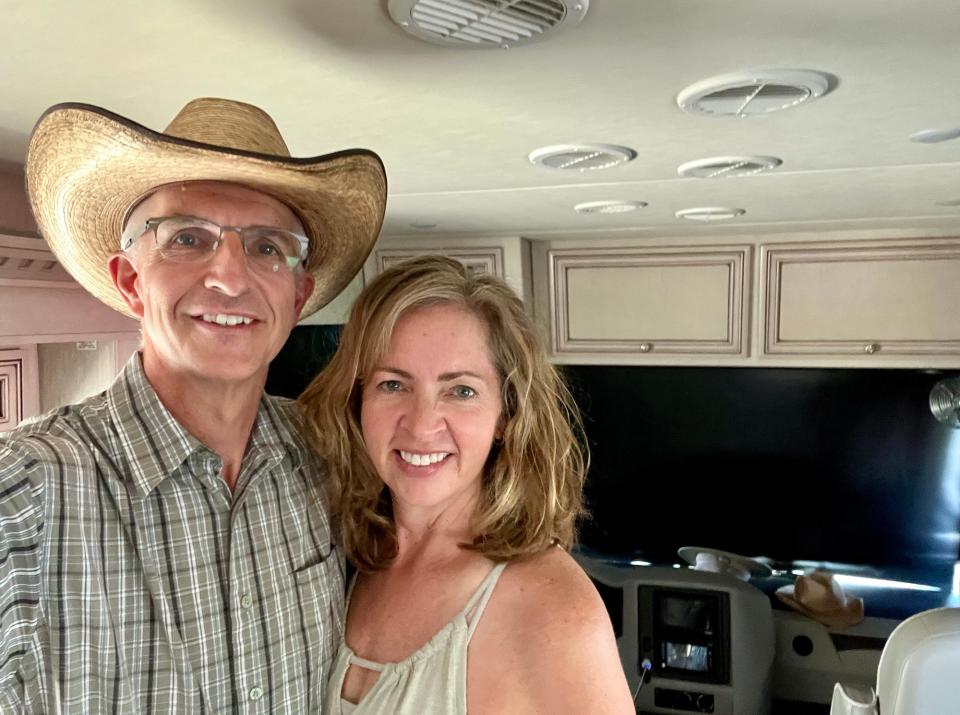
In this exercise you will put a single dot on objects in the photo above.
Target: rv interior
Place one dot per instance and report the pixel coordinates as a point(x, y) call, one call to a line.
point(737, 223)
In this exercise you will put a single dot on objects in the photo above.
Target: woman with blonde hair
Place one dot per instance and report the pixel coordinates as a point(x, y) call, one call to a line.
point(456, 472)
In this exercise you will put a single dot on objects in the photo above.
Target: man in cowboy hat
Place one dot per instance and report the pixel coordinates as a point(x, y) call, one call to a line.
point(165, 546)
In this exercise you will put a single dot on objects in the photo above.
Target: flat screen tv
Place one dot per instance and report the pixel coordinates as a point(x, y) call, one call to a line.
point(844, 466)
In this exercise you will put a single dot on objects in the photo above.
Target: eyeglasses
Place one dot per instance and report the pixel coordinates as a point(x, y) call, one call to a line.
point(187, 239)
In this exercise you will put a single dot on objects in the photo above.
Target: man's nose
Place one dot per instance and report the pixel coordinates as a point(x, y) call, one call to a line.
point(227, 269)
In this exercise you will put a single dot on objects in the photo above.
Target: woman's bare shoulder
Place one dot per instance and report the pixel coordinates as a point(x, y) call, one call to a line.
point(552, 578)
point(550, 594)
point(562, 633)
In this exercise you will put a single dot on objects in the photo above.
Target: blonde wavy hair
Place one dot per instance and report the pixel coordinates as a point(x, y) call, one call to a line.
point(531, 491)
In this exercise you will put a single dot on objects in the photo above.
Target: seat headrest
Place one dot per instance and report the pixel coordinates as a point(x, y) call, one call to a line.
point(919, 665)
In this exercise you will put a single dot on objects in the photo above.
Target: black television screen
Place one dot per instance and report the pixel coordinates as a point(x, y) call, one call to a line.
point(824, 465)
point(306, 352)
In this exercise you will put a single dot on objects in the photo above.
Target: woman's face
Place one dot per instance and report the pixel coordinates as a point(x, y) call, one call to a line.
point(431, 408)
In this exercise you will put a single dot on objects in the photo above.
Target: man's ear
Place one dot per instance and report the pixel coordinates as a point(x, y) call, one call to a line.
point(124, 275)
point(305, 285)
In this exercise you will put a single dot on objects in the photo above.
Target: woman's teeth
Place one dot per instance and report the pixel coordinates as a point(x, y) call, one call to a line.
point(223, 319)
point(421, 460)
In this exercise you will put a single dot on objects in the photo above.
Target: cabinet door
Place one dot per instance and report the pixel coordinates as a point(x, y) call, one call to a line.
point(11, 401)
point(632, 303)
point(873, 299)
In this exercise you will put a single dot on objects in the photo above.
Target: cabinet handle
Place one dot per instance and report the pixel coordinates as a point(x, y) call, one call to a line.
point(871, 348)
point(646, 347)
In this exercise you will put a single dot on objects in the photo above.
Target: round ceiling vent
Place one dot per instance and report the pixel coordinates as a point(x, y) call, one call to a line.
point(608, 207)
point(485, 23)
point(709, 213)
point(581, 157)
point(727, 166)
point(746, 94)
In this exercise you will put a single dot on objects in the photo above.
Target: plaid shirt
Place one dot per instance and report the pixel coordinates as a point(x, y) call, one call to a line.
point(133, 581)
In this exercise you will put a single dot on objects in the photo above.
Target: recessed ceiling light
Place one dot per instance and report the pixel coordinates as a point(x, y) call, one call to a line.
point(486, 23)
point(728, 166)
point(935, 136)
point(608, 207)
point(709, 213)
point(753, 92)
point(581, 157)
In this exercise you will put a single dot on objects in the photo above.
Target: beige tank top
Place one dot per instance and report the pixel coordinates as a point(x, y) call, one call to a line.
point(431, 680)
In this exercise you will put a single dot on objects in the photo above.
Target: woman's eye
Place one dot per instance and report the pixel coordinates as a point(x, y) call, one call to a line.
point(390, 386)
point(464, 392)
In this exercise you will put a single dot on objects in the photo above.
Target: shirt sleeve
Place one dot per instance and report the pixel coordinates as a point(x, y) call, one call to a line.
point(21, 554)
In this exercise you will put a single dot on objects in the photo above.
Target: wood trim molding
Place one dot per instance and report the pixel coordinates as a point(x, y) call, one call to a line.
point(484, 260)
point(735, 259)
point(57, 285)
point(14, 341)
point(11, 392)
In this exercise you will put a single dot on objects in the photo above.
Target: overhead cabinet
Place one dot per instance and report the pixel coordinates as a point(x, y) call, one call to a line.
point(665, 301)
point(504, 257)
point(872, 299)
point(843, 303)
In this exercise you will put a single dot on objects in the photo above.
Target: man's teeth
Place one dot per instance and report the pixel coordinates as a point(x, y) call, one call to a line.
point(421, 460)
point(223, 319)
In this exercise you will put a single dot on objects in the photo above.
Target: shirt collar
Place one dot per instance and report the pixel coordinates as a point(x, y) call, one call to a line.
point(156, 445)
point(153, 442)
point(277, 431)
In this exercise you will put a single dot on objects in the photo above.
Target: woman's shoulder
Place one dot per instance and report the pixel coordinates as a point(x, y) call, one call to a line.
point(558, 634)
point(551, 590)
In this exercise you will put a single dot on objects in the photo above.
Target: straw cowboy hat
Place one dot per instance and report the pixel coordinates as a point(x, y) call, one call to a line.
point(820, 597)
point(87, 168)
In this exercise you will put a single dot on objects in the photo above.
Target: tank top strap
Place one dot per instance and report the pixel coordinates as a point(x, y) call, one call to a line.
point(478, 602)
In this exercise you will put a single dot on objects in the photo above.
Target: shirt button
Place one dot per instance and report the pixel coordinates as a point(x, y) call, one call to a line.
point(256, 693)
point(246, 601)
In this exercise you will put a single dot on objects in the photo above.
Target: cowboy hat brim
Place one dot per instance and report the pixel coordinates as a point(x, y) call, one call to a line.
point(87, 166)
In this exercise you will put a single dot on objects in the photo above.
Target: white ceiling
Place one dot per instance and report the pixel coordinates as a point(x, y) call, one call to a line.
point(454, 127)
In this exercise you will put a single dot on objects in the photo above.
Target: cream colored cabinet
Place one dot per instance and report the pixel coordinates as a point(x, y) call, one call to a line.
point(876, 300)
point(647, 304)
point(506, 257)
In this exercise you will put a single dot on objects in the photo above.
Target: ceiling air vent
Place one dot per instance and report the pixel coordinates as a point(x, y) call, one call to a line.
point(608, 207)
point(717, 167)
point(753, 92)
point(485, 23)
point(709, 213)
point(581, 157)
